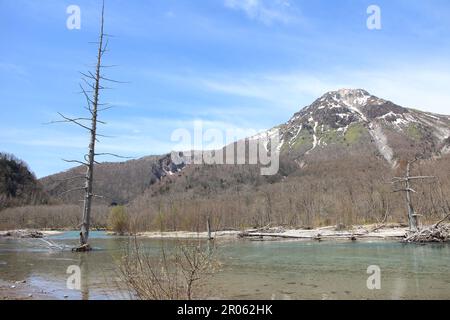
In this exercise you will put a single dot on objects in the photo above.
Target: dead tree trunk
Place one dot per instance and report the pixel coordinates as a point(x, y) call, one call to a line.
point(413, 217)
point(92, 96)
point(86, 220)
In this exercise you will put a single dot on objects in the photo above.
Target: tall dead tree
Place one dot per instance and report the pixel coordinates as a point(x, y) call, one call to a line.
point(413, 217)
point(93, 82)
point(93, 108)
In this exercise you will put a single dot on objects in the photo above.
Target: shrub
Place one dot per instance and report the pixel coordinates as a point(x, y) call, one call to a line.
point(178, 273)
point(118, 220)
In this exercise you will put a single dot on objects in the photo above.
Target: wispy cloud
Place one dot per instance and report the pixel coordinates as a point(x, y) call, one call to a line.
point(265, 11)
point(422, 87)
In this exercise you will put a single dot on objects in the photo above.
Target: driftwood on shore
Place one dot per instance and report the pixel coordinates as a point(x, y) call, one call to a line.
point(21, 234)
point(326, 234)
point(317, 237)
point(434, 233)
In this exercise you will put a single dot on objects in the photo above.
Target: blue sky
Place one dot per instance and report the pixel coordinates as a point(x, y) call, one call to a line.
point(246, 64)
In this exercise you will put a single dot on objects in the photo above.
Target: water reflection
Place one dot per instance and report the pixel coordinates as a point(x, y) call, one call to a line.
point(84, 268)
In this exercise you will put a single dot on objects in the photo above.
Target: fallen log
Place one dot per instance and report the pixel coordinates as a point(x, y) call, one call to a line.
point(271, 235)
point(317, 237)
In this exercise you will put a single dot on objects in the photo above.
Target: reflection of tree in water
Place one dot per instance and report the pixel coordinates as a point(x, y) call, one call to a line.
point(22, 264)
point(84, 268)
point(99, 273)
point(40, 265)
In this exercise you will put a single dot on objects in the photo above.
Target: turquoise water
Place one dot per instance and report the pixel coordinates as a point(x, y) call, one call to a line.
point(249, 270)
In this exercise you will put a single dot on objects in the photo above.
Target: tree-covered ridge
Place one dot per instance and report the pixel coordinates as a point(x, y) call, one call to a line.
point(18, 185)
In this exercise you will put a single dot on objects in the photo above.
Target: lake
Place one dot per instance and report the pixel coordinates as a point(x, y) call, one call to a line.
point(250, 269)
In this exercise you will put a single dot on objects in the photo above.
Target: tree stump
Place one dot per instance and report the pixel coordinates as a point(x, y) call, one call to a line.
point(84, 248)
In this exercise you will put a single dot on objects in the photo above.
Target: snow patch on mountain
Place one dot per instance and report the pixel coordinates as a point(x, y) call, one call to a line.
point(329, 119)
point(292, 141)
point(315, 140)
point(440, 131)
point(382, 144)
point(358, 112)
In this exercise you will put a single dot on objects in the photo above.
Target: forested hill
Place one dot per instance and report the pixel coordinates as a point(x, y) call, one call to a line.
point(118, 182)
point(18, 185)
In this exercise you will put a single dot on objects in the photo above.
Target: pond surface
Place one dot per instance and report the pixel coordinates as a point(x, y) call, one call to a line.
point(250, 269)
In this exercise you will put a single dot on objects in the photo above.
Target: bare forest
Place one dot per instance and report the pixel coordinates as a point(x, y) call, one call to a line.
point(347, 192)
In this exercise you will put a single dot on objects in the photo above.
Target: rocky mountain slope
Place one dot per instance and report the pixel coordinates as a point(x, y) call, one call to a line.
point(341, 126)
point(347, 117)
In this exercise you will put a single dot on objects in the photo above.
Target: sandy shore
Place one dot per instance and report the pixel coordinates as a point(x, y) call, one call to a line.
point(391, 231)
point(21, 290)
point(387, 232)
point(189, 235)
point(29, 233)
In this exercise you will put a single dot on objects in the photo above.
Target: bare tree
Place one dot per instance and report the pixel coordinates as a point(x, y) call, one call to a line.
point(407, 179)
point(91, 91)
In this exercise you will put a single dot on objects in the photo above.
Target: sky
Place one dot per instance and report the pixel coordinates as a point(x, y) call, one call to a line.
point(229, 64)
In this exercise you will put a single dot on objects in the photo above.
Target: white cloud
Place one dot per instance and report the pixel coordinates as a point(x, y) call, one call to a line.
point(423, 87)
point(265, 11)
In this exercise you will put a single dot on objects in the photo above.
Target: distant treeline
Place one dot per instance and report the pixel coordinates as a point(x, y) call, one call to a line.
point(18, 185)
point(346, 190)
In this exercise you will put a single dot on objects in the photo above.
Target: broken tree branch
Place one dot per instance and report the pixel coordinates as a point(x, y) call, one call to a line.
point(113, 155)
point(76, 161)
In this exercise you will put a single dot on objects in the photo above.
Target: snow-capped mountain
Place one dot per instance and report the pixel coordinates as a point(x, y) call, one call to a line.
point(342, 128)
point(350, 117)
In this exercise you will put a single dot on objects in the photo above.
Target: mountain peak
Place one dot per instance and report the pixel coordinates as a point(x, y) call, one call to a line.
point(347, 97)
point(347, 116)
point(345, 92)
point(338, 109)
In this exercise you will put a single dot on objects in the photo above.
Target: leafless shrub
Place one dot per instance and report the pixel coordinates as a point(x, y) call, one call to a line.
point(175, 274)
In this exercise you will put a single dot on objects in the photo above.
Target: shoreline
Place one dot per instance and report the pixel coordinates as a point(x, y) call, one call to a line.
point(390, 231)
point(29, 233)
point(368, 232)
